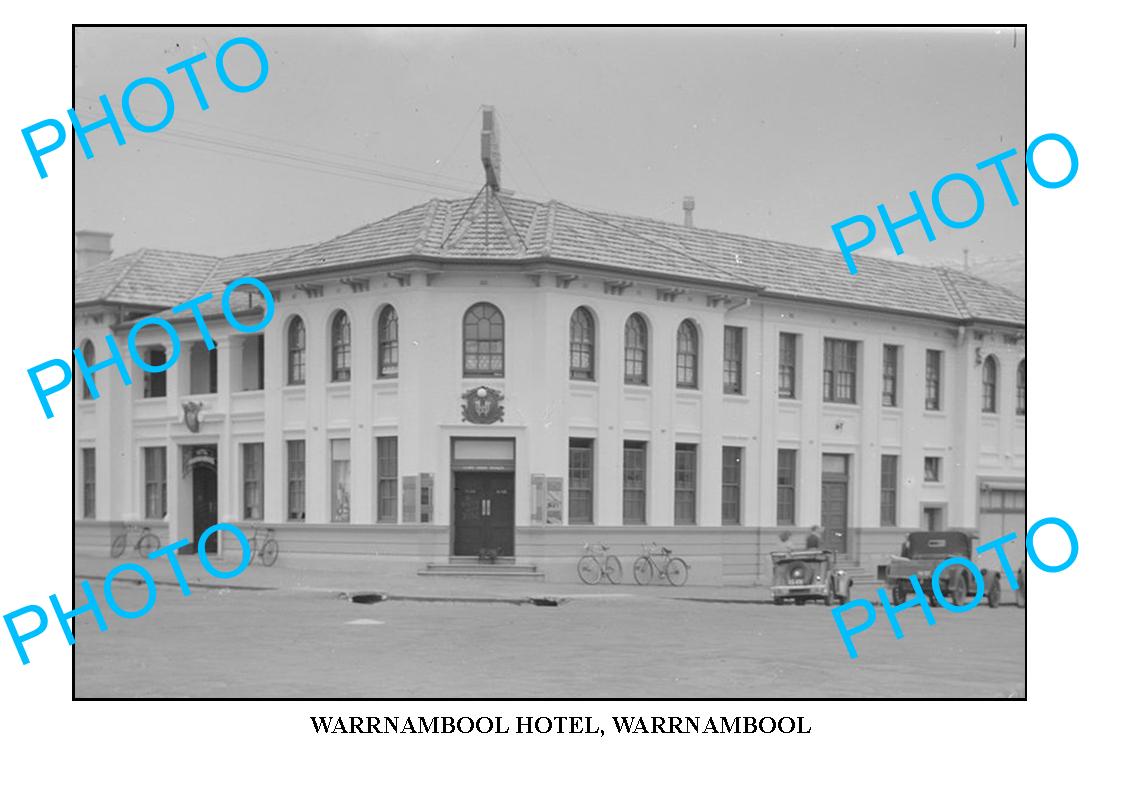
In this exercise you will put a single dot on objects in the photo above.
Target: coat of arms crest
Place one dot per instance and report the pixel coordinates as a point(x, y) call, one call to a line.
point(191, 415)
point(482, 405)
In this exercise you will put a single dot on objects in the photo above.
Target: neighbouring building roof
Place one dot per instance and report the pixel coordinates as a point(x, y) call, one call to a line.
point(493, 227)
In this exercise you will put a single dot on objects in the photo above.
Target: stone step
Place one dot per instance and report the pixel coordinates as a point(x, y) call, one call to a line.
point(474, 569)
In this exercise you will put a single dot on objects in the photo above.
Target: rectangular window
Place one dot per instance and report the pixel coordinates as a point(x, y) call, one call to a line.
point(635, 483)
point(686, 483)
point(932, 469)
point(933, 365)
point(889, 362)
point(785, 487)
point(888, 491)
point(733, 369)
point(933, 519)
point(341, 480)
point(787, 364)
point(731, 485)
point(155, 384)
point(840, 365)
point(155, 483)
point(580, 481)
point(253, 362)
point(89, 483)
point(253, 480)
point(387, 479)
point(294, 450)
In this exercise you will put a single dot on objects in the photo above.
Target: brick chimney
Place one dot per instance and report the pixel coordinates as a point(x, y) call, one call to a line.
point(688, 211)
point(489, 147)
point(90, 248)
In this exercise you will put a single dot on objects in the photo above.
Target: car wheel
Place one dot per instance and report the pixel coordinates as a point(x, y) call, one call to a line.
point(828, 598)
point(844, 596)
point(800, 600)
point(898, 593)
point(777, 600)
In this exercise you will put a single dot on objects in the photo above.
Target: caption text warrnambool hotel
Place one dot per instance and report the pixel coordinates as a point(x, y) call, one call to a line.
point(560, 725)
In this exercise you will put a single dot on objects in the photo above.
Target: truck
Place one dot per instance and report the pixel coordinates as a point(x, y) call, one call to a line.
point(921, 553)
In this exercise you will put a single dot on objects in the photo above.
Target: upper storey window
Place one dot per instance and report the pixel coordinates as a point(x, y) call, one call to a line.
point(341, 347)
point(686, 358)
point(1022, 387)
point(635, 350)
point(990, 384)
point(387, 343)
point(483, 340)
point(296, 349)
point(582, 345)
point(87, 349)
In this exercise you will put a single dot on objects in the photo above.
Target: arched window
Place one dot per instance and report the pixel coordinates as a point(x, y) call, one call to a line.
point(296, 349)
point(990, 384)
point(582, 345)
point(87, 354)
point(635, 350)
point(1022, 387)
point(686, 359)
point(483, 341)
point(387, 343)
point(341, 347)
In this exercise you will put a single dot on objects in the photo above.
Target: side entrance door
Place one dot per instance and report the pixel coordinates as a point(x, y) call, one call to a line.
point(484, 505)
point(205, 494)
point(836, 487)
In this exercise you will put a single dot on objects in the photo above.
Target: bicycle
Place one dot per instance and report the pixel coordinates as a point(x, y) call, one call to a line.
point(658, 559)
point(145, 543)
point(595, 564)
point(269, 547)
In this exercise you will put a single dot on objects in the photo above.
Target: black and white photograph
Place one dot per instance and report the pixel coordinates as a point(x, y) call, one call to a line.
point(530, 362)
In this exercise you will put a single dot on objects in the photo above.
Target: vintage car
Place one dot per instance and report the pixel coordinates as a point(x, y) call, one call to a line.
point(921, 553)
point(803, 575)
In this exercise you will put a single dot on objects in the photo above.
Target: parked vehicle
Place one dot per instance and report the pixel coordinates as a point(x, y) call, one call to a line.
point(921, 553)
point(802, 575)
point(657, 559)
point(597, 564)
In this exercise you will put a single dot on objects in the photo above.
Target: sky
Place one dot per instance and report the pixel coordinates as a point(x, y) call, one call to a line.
point(776, 132)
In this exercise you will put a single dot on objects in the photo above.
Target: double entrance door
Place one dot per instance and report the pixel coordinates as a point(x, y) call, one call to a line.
point(484, 508)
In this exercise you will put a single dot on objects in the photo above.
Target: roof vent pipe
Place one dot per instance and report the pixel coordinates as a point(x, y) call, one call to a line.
point(688, 211)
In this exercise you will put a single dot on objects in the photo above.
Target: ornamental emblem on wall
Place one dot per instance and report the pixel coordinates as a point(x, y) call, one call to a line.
point(191, 415)
point(482, 405)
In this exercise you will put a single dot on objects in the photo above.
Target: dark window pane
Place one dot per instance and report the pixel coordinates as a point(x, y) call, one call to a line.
point(580, 480)
point(295, 450)
point(933, 367)
point(341, 347)
point(686, 480)
point(387, 479)
point(733, 361)
point(686, 360)
point(990, 385)
point(889, 365)
point(1021, 388)
point(582, 345)
point(785, 487)
point(889, 491)
point(840, 364)
point(731, 485)
point(635, 482)
point(296, 348)
point(787, 365)
point(388, 343)
point(635, 350)
point(483, 341)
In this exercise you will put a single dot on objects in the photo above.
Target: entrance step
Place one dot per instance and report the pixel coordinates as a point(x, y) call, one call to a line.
point(474, 568)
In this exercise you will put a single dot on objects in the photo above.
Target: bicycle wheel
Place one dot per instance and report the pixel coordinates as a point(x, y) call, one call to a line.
point(676, 571)
point(147, 544)
point(613, 570)
point(117, 549)
point(269, 552)
point(588, 569)
point(643, 571)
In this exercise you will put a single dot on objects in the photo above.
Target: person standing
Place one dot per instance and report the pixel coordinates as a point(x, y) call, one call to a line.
point(814, 538)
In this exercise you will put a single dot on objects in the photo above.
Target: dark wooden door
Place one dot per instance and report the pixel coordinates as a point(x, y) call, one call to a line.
point(501, 513)
point(205, 490)
point(835, 508)
point(468, 519)
point(484, 518)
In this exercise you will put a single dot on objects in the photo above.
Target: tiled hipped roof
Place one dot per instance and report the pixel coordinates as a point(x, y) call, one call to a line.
point(494, 227)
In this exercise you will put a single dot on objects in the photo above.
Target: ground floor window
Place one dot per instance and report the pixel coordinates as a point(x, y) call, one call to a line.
point(387, 479)
point(731, 485)
point(580, 480)
point(294, 449)
point(89, 483)
point(785, 487)
point(253, 478)
point(155, 483)
point(635, 482)
point(888, 491)
point(341, 480)
point(686, 483)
